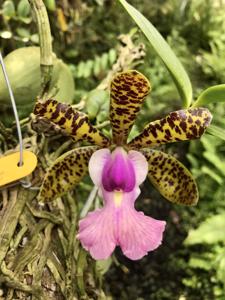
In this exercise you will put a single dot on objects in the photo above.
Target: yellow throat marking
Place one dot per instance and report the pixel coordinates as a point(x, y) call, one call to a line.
point(118, 197)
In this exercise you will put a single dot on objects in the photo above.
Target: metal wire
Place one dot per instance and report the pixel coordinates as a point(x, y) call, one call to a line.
point(14, 110)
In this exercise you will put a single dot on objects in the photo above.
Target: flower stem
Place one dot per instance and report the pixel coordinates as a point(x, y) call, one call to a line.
point(89, 202)
point(44, 31)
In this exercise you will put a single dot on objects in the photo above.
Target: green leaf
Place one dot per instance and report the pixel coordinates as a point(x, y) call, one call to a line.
point(210, 142)
point(88, 66)
point(215, 160)
point(95, 100)
point(102, 266)
point(210, 172)
point(216, 131)
point(80, 69)
point(23, 8)
point(50, 4)
point(22, 32)
point(112, 56)
point(8, 9)
point(210, 231)
point(213, 94)
point(221, 267)
point(193, 160)
point(104, 61)
point(199, 263)
point(97, 66)
point(164, 51)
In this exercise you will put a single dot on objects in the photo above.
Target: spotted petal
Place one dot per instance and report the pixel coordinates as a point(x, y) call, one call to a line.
point(67, 171)
point(128, 90)
point(171, 178)
point(75, 123)
point(179, 125)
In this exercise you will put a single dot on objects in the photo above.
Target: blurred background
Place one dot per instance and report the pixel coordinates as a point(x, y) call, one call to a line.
point(92, 38)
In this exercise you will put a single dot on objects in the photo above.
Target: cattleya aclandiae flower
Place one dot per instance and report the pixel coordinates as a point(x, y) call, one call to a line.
point(118, 168)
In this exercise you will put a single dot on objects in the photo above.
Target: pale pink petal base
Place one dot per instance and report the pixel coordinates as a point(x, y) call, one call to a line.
point(101, 231)
point(97, 163)
point(138, 234)
point(96, 233)
point(140, 165)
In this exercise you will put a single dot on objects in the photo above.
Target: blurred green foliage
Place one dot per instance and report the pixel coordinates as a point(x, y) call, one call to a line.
point(85, 35)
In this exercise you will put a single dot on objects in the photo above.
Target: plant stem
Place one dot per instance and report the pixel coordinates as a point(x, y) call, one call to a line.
point(89, 202)
point(71, 289)
point(10, 219)
point(44, 31)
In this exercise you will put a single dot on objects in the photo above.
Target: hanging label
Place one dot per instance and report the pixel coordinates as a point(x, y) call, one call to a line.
point(11, 171)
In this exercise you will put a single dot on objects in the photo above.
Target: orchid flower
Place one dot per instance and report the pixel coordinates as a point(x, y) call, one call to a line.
point(118, 168)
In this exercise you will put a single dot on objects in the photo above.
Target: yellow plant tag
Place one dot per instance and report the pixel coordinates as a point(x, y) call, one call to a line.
point(11, 171)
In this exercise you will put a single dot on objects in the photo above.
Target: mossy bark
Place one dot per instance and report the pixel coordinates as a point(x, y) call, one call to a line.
point(40, 257)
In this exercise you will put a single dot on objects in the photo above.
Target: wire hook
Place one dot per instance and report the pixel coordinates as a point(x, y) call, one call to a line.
point(23, 182)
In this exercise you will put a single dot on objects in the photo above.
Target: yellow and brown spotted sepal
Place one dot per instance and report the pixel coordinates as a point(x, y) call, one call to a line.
point(65, 173)
point(73, 122)
point(128, 90)
point(171, 178)
point(179, 125)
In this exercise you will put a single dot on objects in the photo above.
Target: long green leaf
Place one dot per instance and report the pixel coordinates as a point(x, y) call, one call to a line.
point(215, 160)
point(213, 94)
point(164, 51)
point(216, 131)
